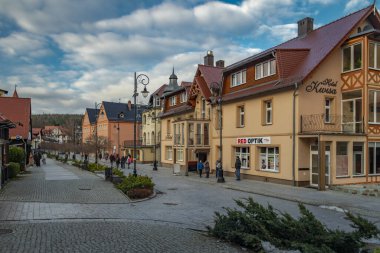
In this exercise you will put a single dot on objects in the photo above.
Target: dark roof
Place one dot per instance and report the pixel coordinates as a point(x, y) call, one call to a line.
point(157, 93)
point(184, 108)
point(92, 112)
point(318, 44)
point(112, 110)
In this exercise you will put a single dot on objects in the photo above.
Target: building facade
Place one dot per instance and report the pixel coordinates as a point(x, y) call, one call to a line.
point(305, 112)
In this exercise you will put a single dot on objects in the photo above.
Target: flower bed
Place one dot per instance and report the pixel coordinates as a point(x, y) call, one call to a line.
point(137, 187)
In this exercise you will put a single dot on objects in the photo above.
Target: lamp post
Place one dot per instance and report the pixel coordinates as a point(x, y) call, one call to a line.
point(144, 80)
point(120, 116)
point(217, 94)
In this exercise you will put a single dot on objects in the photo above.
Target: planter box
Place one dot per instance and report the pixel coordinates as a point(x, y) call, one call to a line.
point(116, 179)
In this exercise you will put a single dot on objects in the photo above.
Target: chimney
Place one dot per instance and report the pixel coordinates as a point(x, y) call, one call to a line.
point(305, 26)
point(220, 64)
point(129, 105)
point(209, 59)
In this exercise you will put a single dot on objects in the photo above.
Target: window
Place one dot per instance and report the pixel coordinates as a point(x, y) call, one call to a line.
point(328, 109)
point(191, 134)
point(168, 127)
point(358, 157)
point(243, 154)
point(269, 159)
point(238, 78)
point(199, 134)
point(352, 57)
point(172, 101)
point(265, 69)
point(183, 97)
point(341, 159)
point(169, 153)
point(374, 106)
point(241, 116)
point(268, 115)
point(179, 154)
point(203, 109)
point(374, 55)
point(374, 157)
point(352, 120)
point(205, 134)
point(156, 101)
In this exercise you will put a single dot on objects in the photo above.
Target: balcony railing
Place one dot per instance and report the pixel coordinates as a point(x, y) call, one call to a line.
point(199, 140)
point(332, 123)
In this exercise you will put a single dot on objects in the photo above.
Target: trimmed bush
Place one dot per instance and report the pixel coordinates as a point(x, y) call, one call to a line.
point(118, 172)
point(253, 223)
point(16, 155)
point(136, 187)
point(14, 169)
point(92, 167)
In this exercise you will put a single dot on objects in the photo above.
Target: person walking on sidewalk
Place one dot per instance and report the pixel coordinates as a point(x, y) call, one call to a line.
point(123, 160)
point(200, 168)
point(237, 168)
point(117, 161)
point(129, 160)
point(207, 168)
point(217, 168)
point(112, 159)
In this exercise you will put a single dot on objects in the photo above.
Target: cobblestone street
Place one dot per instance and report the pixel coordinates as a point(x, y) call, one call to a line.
point(61, 208)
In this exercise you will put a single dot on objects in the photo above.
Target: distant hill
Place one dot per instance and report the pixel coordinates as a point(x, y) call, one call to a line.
point(64, 120)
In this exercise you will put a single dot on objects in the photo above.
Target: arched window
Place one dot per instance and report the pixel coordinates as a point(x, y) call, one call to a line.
point(153, 140)
point(144, 139)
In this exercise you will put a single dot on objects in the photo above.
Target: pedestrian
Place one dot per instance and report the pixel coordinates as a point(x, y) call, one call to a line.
point(36, 159)
point(112, 159)
point(207, 168)
point(237, 168)
point(129, 160)
point(123, 160)
point(100, 156)
point(44, 158)
point(117, 161)
point(86, 157)
point(200, 168)
point(217, 168)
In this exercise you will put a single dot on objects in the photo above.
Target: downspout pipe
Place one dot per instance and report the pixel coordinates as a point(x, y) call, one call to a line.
point(294, 135)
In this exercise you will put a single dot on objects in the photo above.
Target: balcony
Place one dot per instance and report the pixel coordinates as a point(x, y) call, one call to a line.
point(322, 123)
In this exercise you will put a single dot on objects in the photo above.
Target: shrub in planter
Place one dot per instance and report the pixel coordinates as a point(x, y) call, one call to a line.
point(136, 187)
point(14, 169)
point(92, 167)
point(118, 173)
point(253, 223)
point(16, 155)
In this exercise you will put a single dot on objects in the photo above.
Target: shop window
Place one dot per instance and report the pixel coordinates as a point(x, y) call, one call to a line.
point(169, 153)
point(269, 159)
point(358, 156)
point(243, 154)
point(352, 57)
point(341, 159)
point(374, 158)
point(374, 106)
point(180, 155)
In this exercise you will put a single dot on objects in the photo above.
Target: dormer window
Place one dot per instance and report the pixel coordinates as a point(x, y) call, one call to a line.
point(265, 69)
point(352, 57)
point(156, 101)
point(183, 97)
point(238, 78)
point(172, 101)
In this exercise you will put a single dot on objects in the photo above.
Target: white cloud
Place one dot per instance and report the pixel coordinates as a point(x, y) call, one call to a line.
point(283, 32)
point(353, 5)
point(20, 44)
point(325, 2)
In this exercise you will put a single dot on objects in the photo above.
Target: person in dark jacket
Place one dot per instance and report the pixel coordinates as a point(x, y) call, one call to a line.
point(112, 159)
point(200, 168)
point(117, 161)
point(123, 160)
point(206, 166)
point(237, 168)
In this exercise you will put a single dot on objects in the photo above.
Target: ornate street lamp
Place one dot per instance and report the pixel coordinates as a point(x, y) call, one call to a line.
point(155, 139)
point(144, 80)
point(96, 132)
point(216, 89)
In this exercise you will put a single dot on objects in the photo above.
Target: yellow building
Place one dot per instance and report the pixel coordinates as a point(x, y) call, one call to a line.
point(305, 112)
point(186, 124)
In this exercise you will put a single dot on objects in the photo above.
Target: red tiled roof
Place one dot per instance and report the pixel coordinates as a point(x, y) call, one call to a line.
point(177, 110)
point(6, 122)
point(36, 130)
point(18, 110)
point(210, 73)
point(310, 50)
point(160, 90)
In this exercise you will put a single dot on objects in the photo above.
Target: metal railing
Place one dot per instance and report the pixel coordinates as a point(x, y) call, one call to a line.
point(316, 123)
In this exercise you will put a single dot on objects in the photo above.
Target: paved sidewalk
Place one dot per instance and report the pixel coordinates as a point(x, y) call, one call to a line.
point(335, 200)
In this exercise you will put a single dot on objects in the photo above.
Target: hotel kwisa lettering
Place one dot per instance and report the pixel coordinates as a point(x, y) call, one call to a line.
point(328, 86)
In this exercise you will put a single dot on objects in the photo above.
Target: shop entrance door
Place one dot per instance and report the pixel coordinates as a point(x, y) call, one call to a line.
point(314, 166)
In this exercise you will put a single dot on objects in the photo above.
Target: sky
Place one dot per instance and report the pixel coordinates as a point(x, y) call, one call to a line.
point(68, 54)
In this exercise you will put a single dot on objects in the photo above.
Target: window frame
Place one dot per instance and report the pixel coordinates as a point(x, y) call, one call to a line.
point(374, 145)
point(375, 120)
point(183, 97)
point(169, 153)
point(241, 116)
point(266, 110)
point(243, 78)
point(179, 155)
point(259, 69)
point(375, 53)
point(328, 109)
point(352, 64)
point(276, 158)
point(172, 101)
point(241, 154)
